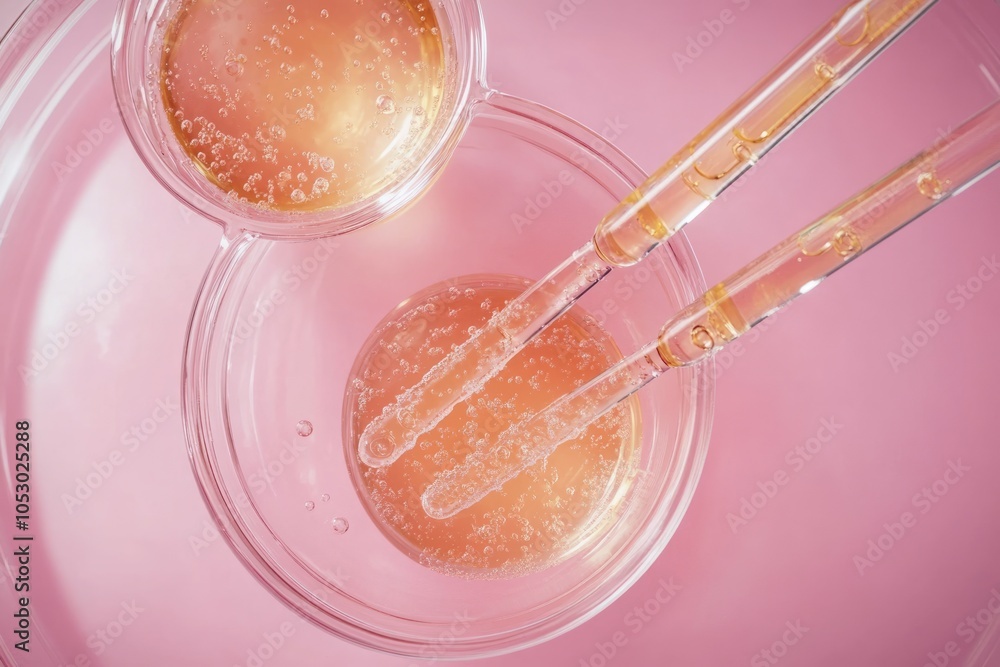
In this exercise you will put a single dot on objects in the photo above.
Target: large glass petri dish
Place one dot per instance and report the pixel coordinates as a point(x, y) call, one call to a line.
point(126, 549)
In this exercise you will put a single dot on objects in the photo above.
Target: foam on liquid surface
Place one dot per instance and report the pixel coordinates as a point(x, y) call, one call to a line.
point(303, 104)
point(534, 519)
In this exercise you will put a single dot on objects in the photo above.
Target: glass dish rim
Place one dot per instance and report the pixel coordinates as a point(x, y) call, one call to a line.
point(660, 522)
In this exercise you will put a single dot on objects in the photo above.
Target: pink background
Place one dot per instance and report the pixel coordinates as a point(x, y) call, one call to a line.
point(827, 360)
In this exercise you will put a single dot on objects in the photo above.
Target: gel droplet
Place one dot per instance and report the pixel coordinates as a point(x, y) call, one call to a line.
point(234, 68)
point(310, 506)
point(304, 428)
point(385, 104)
point(701, 337)
point(824, 71)
point(340, 525)
point(320, 186)
point(325, 497)
point(381, 448)
point(930, 186)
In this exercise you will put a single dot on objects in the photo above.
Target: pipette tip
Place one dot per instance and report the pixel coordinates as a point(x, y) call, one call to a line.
point(385, 440)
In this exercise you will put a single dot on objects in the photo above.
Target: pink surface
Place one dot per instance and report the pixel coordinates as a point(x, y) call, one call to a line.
point(862, 430)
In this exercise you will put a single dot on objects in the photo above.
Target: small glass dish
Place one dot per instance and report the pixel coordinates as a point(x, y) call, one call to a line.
point(140, 29)
point(272, 348)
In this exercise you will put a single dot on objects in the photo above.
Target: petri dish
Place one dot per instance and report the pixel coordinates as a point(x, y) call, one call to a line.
point(123, 533)
point(372, 156)
point(276, 314)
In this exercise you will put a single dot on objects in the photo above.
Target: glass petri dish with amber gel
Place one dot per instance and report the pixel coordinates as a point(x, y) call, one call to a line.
point(293, 123)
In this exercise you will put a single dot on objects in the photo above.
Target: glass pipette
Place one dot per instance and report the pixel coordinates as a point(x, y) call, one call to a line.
point(673, 196)
point(728, 310)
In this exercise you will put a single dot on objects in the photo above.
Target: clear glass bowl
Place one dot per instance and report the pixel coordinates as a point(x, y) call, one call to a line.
point(274, 340)
point(138, 44)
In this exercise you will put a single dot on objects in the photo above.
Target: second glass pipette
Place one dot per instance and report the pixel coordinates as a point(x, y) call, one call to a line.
point(728, 310)
point(673, 196)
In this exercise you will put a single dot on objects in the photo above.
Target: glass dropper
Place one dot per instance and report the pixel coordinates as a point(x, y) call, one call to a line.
point(727, 311)
point(672, 197)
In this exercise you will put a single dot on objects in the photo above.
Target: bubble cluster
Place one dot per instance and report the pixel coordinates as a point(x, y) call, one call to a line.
point(536, 518)
point(301, 107)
